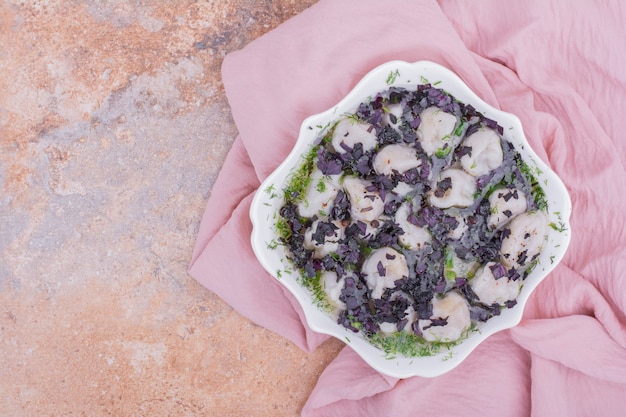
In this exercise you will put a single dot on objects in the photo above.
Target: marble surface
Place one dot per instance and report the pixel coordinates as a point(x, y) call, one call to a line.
point(113, 128)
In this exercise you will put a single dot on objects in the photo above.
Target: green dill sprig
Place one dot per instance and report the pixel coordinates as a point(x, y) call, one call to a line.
point(301, 178)
point(318, 293)
point(537, 192)
point(391, 78)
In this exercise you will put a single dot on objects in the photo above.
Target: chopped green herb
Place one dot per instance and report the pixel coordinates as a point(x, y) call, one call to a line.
point(392, 77)
point(559, 228)
point(448, 356)
point(459, 129)
point(538, 194)
point(443, 152)
point(301, 178)
point(321, 186)
point(283, 230)
point(413, 345)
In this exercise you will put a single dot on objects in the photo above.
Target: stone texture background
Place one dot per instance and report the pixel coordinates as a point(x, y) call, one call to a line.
point(113, 128)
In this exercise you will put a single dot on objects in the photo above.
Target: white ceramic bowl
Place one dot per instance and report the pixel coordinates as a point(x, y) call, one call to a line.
point(269, 199)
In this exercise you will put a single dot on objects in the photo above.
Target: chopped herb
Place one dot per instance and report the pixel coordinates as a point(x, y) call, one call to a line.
point(538, 194)
point(559, 228)
point(459, 130)
point(321, 186)
point(392, 77)
point(443, 152)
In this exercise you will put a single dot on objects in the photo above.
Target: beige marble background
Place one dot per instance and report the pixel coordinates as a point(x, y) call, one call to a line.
point(113, 128)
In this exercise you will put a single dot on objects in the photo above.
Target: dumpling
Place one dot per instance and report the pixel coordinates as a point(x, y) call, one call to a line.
point(414, 237)
point(333, 288)
point(350, 132)
point(319, 194)
point(402, 189)
point(323, 237)
point(436, 129)
point(453, 188)
point(505, 204)
point(392, 117)
point(382, 269)
point(461, 227)
point(410, 315)
point(364, 205)
point(396, 157)
point(449, 320)
point(486, 153)
point(491, 290)
point(525, 239)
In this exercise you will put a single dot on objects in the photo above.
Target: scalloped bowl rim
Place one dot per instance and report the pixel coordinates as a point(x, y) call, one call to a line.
point(263, 212)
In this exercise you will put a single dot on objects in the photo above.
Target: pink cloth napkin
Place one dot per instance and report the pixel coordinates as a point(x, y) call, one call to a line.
point(559, 66)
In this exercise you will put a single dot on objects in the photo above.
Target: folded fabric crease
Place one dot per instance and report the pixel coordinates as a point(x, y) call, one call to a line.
point(561, 71)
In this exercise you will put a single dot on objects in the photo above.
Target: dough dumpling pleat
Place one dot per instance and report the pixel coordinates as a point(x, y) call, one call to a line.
point(486, 152)
point(453, 188)
point(382, 269)
point(414, 237)
point(396, 157)
point(319, 195)
point(449, 320)
point(350, 132)
point(491, 290)
point(365, 205)
point(524, 240)
point(505, 204)
point(436, 130)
